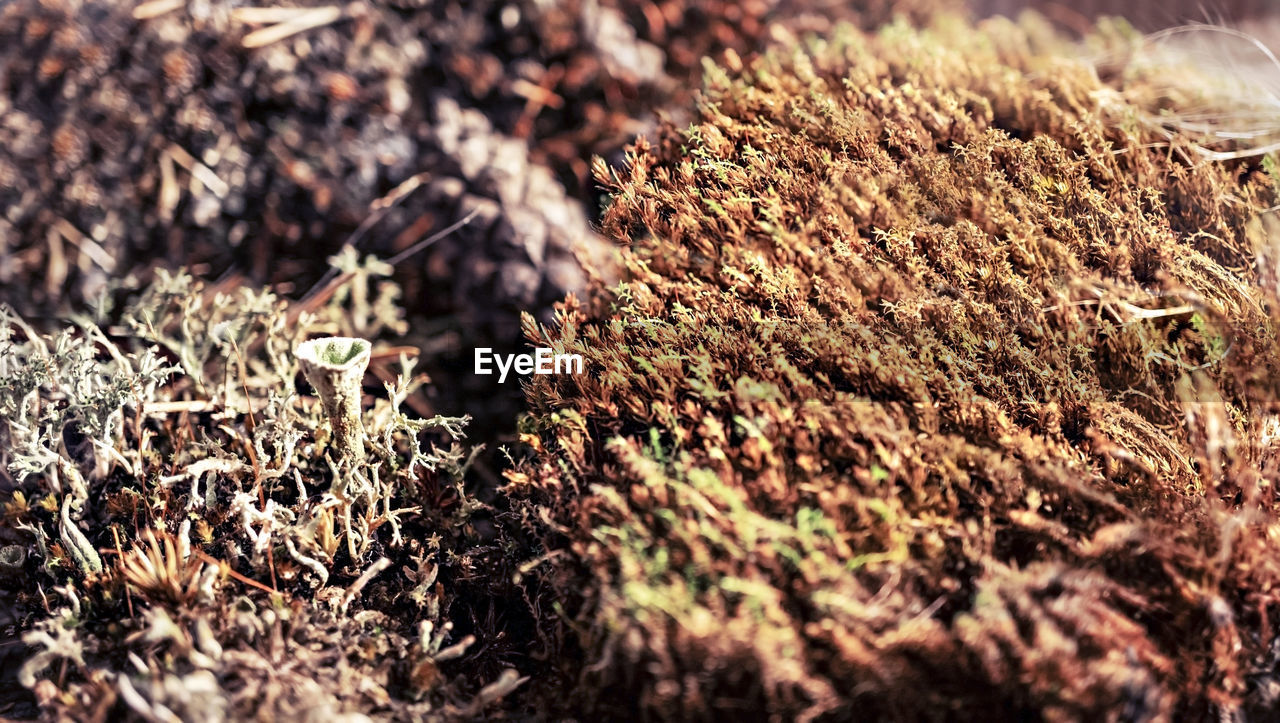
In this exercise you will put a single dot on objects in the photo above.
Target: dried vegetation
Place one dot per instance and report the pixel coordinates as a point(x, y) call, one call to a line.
point(938, 385)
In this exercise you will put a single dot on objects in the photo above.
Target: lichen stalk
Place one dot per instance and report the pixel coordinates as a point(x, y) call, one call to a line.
point(335, 366)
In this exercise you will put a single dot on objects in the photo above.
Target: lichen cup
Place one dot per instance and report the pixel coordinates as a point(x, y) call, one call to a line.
point(335, 366)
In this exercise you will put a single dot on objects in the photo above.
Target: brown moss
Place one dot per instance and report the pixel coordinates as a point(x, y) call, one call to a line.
point(933, 390)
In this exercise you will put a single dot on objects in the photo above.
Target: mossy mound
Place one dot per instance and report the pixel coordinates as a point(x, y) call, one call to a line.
point(933, 391)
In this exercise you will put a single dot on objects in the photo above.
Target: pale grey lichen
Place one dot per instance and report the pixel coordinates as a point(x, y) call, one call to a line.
point(77, 545)
point(53, 638)
point(12, 558)
point(335, 366)
point(169, 496)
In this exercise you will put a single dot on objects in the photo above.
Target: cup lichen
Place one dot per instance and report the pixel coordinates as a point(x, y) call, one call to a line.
point(12, 558)
point(335, 366)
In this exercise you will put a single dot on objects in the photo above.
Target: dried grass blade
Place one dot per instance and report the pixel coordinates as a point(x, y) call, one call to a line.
point(156, 8)
point(302, 22)
point(200, 171)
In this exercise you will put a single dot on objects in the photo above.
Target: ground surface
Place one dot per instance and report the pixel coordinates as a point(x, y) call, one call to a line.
point(930, 370)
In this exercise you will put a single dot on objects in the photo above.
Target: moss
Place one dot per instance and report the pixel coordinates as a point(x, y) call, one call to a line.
point(935, 389)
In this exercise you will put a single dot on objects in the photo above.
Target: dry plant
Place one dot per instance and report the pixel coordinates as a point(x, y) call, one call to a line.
point(162, 569)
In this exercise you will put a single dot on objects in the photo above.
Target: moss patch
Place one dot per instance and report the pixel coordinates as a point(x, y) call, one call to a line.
point(933, 390)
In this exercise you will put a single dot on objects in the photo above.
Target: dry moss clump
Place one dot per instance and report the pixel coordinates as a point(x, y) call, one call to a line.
point(933, 391)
